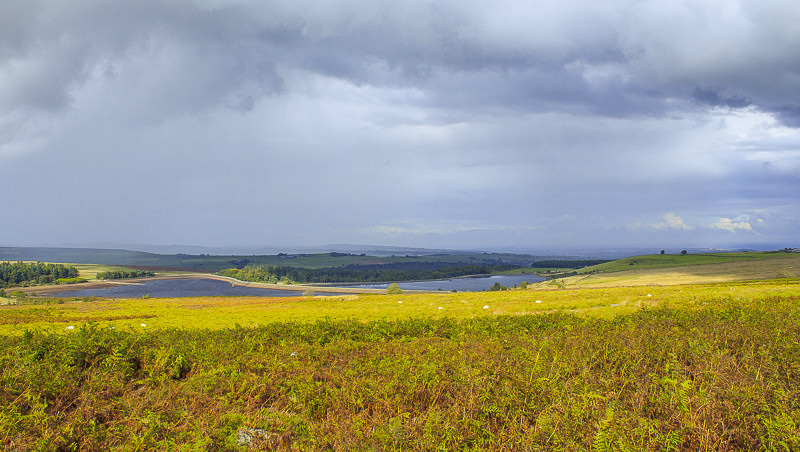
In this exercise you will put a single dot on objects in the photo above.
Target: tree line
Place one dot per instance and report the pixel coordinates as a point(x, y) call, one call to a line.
point(120, 274)
point(26, 273)
point(353, 273)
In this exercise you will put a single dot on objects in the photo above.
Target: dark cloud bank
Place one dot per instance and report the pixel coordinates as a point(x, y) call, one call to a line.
point(440, 124)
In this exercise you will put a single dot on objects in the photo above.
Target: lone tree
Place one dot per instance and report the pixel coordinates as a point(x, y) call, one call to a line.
point(683, 252)
point(394, 289)
point(662, 251)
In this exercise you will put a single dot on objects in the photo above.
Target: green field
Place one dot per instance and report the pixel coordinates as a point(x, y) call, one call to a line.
point(712, 366)
point(677, 260)
point(689, 269)
point(90, 271)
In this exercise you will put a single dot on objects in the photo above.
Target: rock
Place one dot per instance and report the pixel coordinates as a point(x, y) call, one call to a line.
point(249, 436)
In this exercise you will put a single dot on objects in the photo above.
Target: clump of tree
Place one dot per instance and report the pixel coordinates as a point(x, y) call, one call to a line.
point(497, 287)
point(27, 273)
point(394, 289)
point(121, 274)
point(377, 273)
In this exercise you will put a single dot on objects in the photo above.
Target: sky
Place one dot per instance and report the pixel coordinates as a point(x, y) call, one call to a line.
point(441, 124)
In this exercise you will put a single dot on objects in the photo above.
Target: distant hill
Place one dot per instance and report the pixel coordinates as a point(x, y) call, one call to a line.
point(213, 263)
point(74, 255)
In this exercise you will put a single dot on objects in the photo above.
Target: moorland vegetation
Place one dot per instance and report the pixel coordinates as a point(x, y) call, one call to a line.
point(680, 366)
point(722, 375)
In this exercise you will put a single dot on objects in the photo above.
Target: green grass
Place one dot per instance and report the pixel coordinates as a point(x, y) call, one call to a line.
point(675, 260)
point(741, 265)
point(674, 270)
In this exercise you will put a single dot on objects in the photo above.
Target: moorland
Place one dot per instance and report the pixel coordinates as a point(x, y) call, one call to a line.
point(646, 353)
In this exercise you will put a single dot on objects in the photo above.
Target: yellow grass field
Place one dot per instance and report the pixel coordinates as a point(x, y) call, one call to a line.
point(215, 313)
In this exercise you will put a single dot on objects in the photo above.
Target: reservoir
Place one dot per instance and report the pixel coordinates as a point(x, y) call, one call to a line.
point(203, 287)
point(466, 284)
point(182, 287)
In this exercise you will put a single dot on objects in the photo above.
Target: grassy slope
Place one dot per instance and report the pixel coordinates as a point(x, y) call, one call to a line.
point(690, 269)
point(677, 260)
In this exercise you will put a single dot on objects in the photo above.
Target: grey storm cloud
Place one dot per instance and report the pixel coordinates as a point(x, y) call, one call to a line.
point(447, 120)
point(615, 58)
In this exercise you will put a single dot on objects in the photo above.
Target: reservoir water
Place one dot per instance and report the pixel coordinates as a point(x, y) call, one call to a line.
point(202, 287)
point(468, 284)
point(183, 287)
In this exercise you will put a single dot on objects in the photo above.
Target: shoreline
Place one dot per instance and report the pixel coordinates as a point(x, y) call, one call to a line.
point(63, 289)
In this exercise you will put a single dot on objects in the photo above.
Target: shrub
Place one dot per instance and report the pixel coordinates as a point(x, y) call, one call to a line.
point(497, 287)
point(69, 280)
